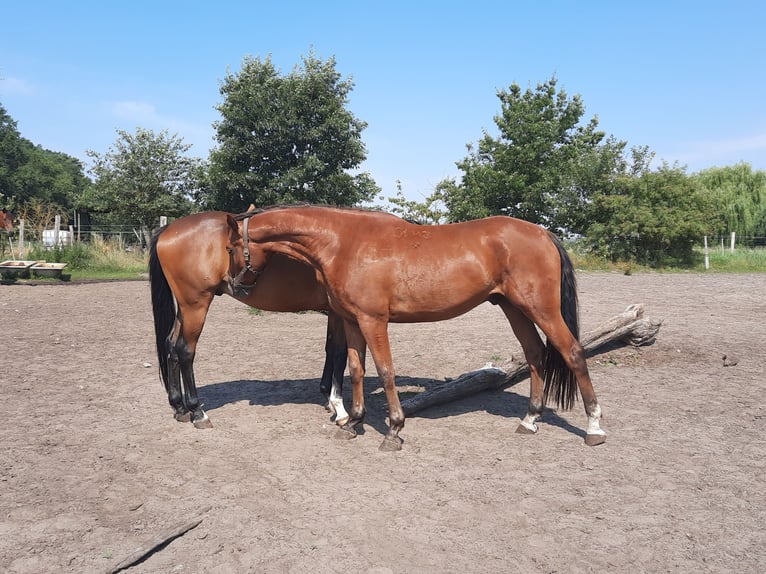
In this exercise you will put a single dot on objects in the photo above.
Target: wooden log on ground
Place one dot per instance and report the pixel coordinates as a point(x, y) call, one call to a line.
point(629, 327)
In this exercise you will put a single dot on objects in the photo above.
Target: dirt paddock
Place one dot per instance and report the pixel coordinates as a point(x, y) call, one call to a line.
point(93, 465)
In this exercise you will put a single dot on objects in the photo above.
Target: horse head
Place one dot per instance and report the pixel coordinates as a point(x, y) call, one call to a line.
point(245, 264)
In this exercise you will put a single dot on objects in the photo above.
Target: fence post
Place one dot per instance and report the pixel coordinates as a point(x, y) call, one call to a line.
point(21, 239)
point(733, 234)
point(163, 220)
point(707, 255)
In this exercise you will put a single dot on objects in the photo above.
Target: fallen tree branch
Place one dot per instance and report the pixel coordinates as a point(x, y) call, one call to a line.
point(629, 327)
point(162, 539)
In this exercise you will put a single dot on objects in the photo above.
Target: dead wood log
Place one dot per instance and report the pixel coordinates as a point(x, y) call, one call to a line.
point(629, 327)
point(159, 541)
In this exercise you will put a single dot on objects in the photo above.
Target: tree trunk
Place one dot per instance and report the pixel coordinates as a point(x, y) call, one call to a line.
point(629, 327)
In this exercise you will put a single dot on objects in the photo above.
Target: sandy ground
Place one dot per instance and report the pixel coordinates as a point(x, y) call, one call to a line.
point(93, 465)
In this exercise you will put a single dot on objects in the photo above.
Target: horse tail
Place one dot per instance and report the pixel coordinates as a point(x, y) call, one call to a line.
point(163, 305)
point(560, 381)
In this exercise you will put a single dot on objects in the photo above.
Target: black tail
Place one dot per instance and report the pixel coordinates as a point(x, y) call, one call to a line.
point(163, 305)
point(560, 382)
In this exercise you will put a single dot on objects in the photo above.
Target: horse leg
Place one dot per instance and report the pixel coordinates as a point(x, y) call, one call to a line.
point(175, 395)
point(376, 334)
point(185, 349)
point(356, 354)
point(573, 354)
point(534, 351)
point(336, 356)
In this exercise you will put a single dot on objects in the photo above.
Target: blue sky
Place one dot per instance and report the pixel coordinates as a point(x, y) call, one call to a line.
point(687, 79)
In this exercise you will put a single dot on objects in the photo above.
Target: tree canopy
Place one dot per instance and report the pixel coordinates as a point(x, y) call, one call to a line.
point(143, 176)
point(287, 138)
point(738, 195)
point(541, 165)
point(29, 172)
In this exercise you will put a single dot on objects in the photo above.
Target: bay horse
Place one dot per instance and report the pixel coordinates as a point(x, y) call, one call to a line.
point(6, 220)
point(188, 266)
point(377, 271)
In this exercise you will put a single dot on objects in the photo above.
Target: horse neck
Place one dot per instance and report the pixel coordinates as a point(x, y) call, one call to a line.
point(296, 234)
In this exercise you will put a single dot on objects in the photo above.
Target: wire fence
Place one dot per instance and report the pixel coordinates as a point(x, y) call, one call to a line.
point(732, 241)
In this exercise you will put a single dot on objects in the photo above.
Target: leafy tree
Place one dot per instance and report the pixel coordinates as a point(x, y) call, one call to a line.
point(739, 196)
point(143, 176)
point(29, 172)
point(430, 212)
point(541, 167)
point(652, 217)
point(285, 139)
point(13, 154)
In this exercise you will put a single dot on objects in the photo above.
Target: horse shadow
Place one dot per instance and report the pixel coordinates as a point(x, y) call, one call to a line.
point(498, 402)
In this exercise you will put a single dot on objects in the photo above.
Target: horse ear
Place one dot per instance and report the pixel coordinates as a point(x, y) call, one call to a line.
point(233, 227)
point(252, 207)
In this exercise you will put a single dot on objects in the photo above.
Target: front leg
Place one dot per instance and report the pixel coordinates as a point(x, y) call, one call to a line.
point(356, 355)
point(376, 333)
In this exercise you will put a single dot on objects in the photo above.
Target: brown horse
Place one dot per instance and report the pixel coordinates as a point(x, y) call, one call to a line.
point(6, 220)
point(188, 266)
point(377, 271)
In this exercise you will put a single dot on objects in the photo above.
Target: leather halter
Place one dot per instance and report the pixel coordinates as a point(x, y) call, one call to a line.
point(238, 287)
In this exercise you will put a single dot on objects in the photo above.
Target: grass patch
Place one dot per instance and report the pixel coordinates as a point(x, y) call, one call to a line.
point(97, 260)
point(743, 260)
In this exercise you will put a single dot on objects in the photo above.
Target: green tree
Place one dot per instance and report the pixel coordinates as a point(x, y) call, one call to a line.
point(13, 154)
point(739, 196)
point(285, 139)
point(432, 211)
point(650, 217)
point(29, 172)
point(540, 167)
point(143, 176)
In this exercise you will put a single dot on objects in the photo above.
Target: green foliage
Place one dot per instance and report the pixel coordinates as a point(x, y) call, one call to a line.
point(286, 139)
point(541, 166)
point(76, 256)
point(430, 212)
point(29, 172)
point(739, 198)
point(145, 175)
point(743, 260)
point(653, 218)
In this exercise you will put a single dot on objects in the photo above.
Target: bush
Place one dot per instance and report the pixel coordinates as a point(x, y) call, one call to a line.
point(76, 256)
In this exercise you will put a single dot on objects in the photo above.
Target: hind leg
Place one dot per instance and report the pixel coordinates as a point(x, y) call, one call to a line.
point(185, 349)
point(573, 355)
point(534, 350)
point(175, 393)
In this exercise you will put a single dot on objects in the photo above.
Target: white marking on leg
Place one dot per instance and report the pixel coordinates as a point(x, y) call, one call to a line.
point(336, 406)
point(594, 422)
point(529, 422)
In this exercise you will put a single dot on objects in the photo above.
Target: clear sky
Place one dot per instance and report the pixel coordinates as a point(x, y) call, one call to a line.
point(686, 78)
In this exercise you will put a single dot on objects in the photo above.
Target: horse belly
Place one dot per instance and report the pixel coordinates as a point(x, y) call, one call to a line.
point(416, 303)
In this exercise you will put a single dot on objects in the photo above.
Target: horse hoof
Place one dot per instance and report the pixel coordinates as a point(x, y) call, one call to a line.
point(345, 433)
point(342, 422)
point(391, 444)
point(595, 439)
point(521, 429)
point(203, 423)
point(183, 417)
